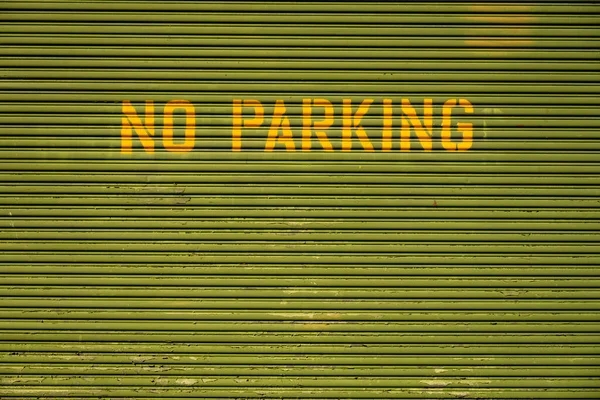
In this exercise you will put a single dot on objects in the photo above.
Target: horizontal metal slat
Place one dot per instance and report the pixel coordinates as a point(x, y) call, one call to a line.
point(319, 202)
point(295, 224)
point(278, 314)
point(273, 214)
point(147, 393)
point(316, 87)
point(116, 97)
point(295, 248)
point(207, 144)
point(294, 337)
point(475, 29)
point(295, 370)
point(305, 190)
point(580, 6)
point(141, 359)
point(303, 53)
point(308, 382)
point(258, 63)
point(293, 109)
point(441, 202)
point(484, 122)
point(301, 258)
point(259, 18)
point(307, 325)
point(288, 76)
point(359, 237)
point(303, 269)
point(325, 281)
point(299, 166)
point(281, 41)
point(424, 295)
point(27, 180)
point(301, 349)
point(199, 155)
point(470, 309)
point(344, 6)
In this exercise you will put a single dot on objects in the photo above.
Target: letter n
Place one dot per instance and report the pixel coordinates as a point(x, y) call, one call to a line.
point(131, 121)
point(424, 130)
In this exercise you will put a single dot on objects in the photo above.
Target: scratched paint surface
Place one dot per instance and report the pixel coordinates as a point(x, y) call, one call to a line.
point(299, 200)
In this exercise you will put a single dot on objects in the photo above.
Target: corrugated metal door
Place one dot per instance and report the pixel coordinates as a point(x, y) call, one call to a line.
point(299, 200)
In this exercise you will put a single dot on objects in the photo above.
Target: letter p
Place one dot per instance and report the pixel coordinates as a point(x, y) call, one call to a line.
point(256, 122)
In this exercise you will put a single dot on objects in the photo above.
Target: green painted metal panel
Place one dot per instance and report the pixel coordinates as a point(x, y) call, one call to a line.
point(299, 200)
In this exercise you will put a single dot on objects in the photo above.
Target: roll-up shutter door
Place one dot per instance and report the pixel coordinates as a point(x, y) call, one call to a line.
point(299, 200)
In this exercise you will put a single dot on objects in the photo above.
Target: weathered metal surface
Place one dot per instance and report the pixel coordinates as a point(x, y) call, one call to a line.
point(236, 251)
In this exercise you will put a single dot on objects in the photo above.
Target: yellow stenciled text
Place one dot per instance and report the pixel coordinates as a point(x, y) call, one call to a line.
point(310, 124)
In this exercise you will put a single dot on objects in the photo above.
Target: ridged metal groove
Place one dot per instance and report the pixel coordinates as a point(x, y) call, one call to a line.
point(218, 274)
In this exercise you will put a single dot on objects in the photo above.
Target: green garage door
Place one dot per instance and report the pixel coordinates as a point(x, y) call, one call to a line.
point(299, 200)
